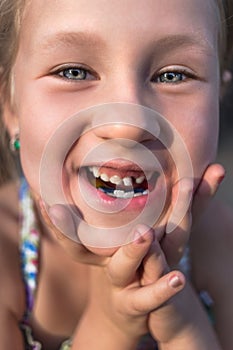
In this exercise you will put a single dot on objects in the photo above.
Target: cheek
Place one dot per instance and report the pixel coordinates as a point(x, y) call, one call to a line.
point(203, 143)
point(201, 140)
point(38, 122)
point(30, 155)
point(34, 135)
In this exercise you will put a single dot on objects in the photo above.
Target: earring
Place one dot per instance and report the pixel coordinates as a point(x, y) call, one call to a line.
point(15, 143)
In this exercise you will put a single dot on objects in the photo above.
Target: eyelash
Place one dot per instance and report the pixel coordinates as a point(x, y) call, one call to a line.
point(181, 74)
point(86, 74)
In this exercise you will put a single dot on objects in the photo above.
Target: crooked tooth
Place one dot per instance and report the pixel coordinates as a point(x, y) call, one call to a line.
point(127, 181)
point(104, 177)
point(145, 192)
point(116, 180)
point(95, 171)
point(139, 180)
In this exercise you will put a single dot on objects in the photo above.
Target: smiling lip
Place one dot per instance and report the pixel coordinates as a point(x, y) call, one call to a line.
point(102, 201)
point(122, 168)
point(117, 184)
point(122, 165)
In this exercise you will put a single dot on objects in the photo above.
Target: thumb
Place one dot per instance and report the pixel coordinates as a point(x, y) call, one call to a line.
point(62, 219)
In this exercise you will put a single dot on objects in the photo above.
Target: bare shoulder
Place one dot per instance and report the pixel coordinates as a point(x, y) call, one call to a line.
point(212, 242)
point(216, 222)
point(11, 286)
point(9, 204)
point(212, 262)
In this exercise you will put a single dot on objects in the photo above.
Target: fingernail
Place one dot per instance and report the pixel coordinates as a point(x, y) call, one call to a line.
point(220, 179)
point(53, 219)
point(61, 218)
point(56, 216)
point(176, 281)
point(137, 238)
point(42, 204)
point(141, 234)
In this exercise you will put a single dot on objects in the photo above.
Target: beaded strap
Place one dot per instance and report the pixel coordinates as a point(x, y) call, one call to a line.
point(30, 241)
point(32, 344)
point(29, 251)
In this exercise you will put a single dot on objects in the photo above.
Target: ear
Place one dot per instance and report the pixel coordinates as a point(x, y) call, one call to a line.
point(10, 119)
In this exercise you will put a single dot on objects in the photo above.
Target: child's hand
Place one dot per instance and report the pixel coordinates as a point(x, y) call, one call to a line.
point(78, 252)
point(134, 281)
point(133, 292)
point(174, 243)
point(141, 279)
point(179, 318)
point(207, 188)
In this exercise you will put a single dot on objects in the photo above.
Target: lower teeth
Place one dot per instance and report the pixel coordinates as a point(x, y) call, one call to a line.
point(123, 194)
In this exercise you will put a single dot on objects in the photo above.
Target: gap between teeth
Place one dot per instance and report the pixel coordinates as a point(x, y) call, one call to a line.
point(117, 180)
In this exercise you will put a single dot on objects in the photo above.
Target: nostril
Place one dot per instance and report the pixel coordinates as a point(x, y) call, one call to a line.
point(126, 121)
point(125, 134)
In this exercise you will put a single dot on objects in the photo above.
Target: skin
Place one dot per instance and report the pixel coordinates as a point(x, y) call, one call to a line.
point(208, 264)
point(121, 70)
point(110, 65)
point(113, 64)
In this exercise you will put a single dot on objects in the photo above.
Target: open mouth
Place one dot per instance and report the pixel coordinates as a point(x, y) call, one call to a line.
point(120, 182)
point(117, 192)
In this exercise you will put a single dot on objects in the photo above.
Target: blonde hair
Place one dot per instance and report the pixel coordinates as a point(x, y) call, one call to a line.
point(11, 13)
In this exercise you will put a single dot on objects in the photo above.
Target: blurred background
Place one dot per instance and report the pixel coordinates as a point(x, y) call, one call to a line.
point(225, 152)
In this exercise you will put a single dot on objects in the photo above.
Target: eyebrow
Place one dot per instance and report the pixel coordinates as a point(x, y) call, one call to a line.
point(179, 41)
point(70, 39)
point(169, 42)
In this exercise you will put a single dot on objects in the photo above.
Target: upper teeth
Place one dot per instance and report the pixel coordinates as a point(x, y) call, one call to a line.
point(104, 177)
point(127, 181)
point(116, 179)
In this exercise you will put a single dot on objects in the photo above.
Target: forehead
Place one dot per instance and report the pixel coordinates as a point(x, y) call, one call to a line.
point(97, 22)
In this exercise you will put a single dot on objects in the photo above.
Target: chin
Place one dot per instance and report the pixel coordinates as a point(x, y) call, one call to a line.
point(104, 252)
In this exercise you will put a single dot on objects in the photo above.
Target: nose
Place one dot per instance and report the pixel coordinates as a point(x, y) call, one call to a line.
point(125, 121)
point(122, 131)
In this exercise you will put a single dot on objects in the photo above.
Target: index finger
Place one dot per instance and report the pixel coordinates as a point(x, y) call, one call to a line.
point(125, 262)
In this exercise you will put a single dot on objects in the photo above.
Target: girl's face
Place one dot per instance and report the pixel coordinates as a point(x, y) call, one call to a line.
point(74, 54)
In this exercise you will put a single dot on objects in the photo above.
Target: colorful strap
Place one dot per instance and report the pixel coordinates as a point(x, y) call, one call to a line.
point(29, 247)
point(29, 251)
